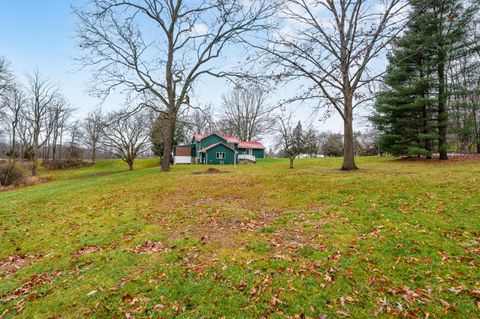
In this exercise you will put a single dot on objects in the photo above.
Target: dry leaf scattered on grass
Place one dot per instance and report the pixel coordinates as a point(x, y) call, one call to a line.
point(85, 251)
point(149, 247)
point(14, 263)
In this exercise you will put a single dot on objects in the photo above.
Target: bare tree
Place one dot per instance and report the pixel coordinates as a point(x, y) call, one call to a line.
point(246, 111)
point(25, 133)
point(60, 115)
point(199, 121)
point(43, 95)
point(163, 65)
point(290, 139)
point(15, 103)
point(6, 76)
point(93, 124)
point(6, 80)
point(75, 130)
point(331, 44)
point(127, 135)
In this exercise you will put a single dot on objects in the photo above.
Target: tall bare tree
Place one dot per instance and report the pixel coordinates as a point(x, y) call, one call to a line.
point(245, 109)
point(6, 76)
point(25, 134)
point(331, 45)
point(160, 48)
point(42, 94)
point(6, 80)
point(127, 135)
point(93, 126)
point(60, 115)
point(15, 103)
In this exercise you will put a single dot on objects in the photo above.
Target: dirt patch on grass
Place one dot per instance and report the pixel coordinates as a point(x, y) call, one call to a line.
point(453, 158)
point(210, 171)
point(220, 229)
point(14, 263)
point(149, 247)
point(85, 251)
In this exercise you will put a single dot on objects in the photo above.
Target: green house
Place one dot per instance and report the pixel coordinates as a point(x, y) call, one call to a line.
point(218, 149)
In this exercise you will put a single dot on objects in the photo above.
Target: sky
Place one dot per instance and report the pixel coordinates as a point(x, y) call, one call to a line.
point(41, 34)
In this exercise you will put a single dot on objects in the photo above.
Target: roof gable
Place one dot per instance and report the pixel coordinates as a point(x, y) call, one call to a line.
point(215, 145)
point(229, 139)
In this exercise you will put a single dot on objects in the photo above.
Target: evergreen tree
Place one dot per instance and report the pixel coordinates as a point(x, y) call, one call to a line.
point(413, 109)
point(449, 20)
point(158, 135)
point(404, 108)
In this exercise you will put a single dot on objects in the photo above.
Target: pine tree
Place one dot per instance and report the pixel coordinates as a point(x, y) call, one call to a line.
point(413, 109)
point(404, 108)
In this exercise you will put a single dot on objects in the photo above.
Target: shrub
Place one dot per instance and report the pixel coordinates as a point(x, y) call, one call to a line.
point(63, 164)
point(10, 175)
point(28, 153)
point(74, 153)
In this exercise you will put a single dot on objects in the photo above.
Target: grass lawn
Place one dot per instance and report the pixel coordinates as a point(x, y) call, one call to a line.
point(392, 239)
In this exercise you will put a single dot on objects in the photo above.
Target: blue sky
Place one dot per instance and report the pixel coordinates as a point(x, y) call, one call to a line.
point(40, 34)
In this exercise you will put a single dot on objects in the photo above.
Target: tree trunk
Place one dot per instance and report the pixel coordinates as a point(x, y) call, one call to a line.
point(475, 127)
point(35, 154)
point(54, 149)
point(167, 151)
point(13, 148)
point(442, 106)
point(291, 162)
point(94, 151)
point(60, 146)
point(35, 162)
point(348, 139)
point(426, 129)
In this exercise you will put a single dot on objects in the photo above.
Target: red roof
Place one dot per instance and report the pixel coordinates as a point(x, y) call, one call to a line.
point(230, 139)
point(215, 145)
point(253, 145)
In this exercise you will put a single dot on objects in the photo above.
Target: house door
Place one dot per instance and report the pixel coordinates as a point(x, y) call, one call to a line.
point(249, 151)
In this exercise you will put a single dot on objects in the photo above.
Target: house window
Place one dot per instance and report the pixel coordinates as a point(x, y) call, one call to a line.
point(220, 155)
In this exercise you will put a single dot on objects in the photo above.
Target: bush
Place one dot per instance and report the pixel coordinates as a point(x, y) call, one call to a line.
point(10, 175)
point(28, 153)
point(74, 153)
point(417, 151)
point(63, 164)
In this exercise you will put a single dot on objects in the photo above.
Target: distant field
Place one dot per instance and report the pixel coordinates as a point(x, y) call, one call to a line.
point(394, 239)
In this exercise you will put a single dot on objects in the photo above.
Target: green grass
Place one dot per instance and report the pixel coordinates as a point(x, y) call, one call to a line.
point(392, 239)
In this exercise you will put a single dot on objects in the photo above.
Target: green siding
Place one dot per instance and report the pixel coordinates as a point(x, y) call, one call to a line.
point(211, 154)
point(211, 158)
point(207, 141)
point(259, 153)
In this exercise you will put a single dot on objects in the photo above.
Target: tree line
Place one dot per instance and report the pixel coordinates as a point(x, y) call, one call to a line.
point(38, 123)
point(330, 51)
